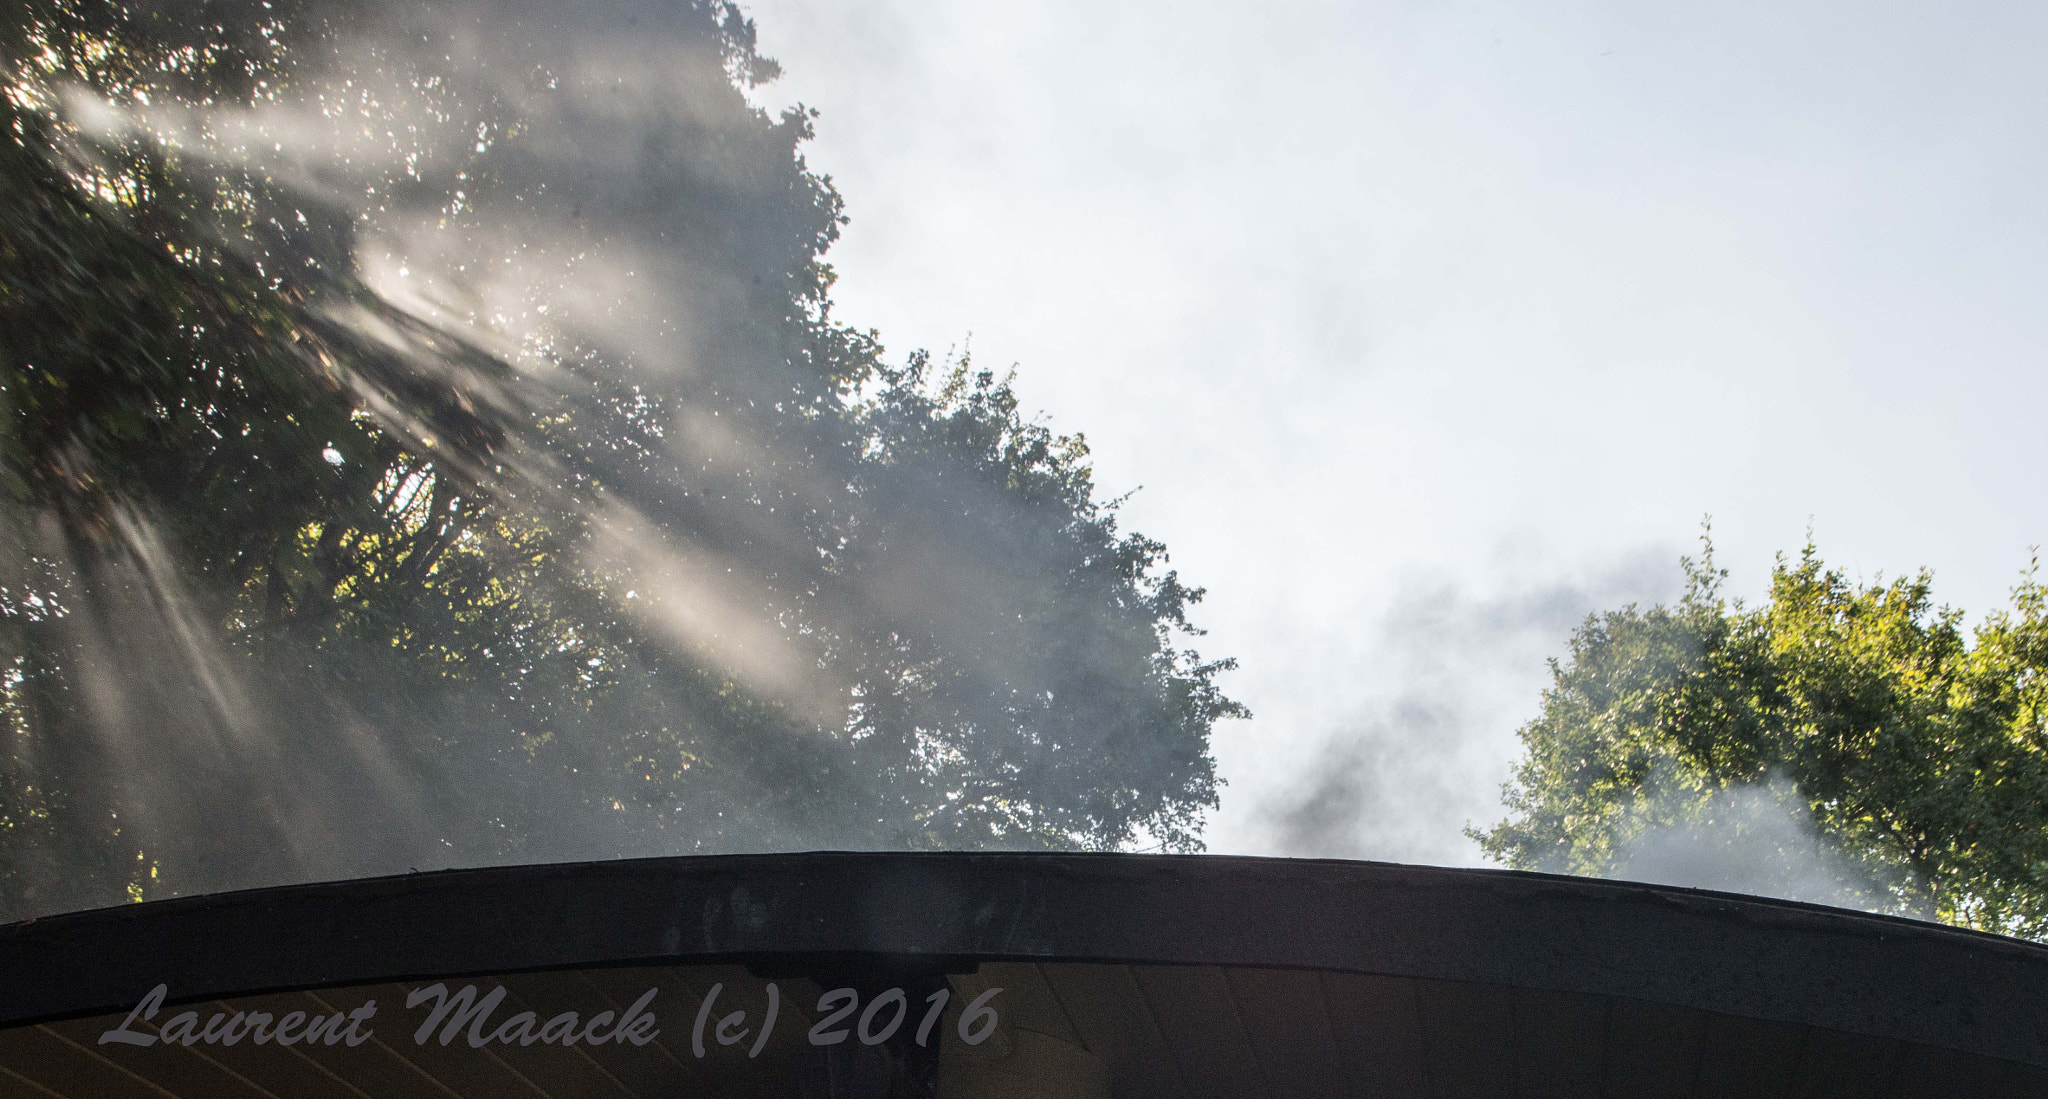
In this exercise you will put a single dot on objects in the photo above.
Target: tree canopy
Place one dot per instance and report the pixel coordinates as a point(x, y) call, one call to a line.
point(1913, 751)
point(428, 440)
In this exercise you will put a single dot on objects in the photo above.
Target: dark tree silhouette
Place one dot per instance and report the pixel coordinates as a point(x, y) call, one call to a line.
point(428, 441)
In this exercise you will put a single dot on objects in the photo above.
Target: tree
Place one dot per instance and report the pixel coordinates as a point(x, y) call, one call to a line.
point(1915, 749)
point(424, 444)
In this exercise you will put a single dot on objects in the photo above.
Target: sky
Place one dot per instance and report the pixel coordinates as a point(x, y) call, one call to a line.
point(1425, 329)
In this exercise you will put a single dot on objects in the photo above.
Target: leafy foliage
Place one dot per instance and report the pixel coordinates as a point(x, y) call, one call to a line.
point(395, 476)
point(1918, 749)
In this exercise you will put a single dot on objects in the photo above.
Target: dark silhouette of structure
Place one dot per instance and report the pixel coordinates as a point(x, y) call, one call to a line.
point(826, 975)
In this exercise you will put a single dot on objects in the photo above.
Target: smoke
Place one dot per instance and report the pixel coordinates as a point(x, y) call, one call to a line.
point(577, 276)
point(1447, 677)
point(1757, 839)
point(1450, 679)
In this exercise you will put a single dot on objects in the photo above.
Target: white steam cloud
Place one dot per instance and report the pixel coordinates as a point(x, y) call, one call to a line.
point(1757, 839)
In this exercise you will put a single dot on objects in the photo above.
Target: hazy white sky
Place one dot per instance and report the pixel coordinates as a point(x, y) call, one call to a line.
point(1429, 327)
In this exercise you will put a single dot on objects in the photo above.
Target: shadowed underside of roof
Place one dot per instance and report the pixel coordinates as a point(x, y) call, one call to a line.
point(1119, 975)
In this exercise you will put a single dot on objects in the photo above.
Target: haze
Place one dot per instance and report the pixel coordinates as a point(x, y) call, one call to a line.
point(1428, 328)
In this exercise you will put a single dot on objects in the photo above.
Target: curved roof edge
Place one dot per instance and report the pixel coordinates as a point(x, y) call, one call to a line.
point(1718, 952)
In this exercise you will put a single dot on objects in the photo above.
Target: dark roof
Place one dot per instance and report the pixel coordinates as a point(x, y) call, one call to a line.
point(1511, 961)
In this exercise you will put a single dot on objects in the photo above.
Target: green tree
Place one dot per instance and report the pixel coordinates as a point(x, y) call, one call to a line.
point(422, 446)
point(1915, 748)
